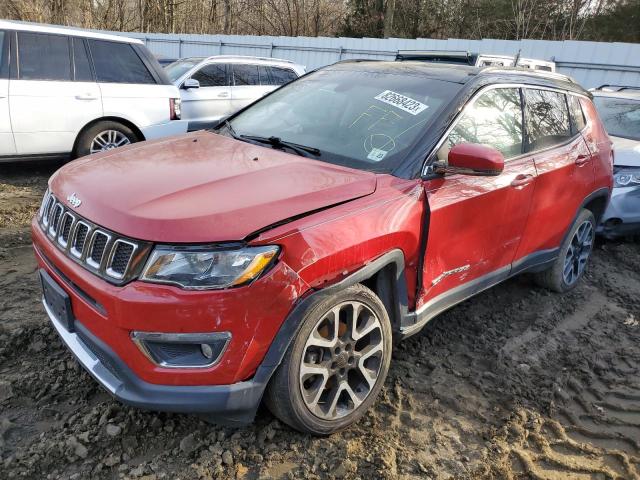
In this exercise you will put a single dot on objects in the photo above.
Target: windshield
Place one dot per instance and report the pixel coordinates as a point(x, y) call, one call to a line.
point(621, 116)
point(361, 119)
point(176, 69)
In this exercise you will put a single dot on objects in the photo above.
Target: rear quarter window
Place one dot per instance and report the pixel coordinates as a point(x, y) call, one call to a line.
point(43, 57)
point(578, 121)
point(546, 119)
point(117, 62)
point(280, 76)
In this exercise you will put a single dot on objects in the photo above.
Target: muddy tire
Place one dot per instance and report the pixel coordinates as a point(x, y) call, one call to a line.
point(573, 258)
point(336, 364)
point(103, 136)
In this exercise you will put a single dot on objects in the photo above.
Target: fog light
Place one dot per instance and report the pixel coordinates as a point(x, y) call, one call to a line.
point(206, 350)
point(182, 350)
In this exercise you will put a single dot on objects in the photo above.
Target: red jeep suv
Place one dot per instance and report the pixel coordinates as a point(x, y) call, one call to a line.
point(281, 255)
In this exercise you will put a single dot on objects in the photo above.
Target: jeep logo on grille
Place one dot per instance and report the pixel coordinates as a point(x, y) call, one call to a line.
point(74, 200)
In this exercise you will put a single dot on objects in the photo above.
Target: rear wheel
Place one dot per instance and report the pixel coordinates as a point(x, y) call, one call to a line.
point(336, 364)
point(104, 136)
point(574, 255)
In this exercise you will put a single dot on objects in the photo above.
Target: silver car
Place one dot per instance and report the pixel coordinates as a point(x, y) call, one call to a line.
point(619, 108)
point(215, 87)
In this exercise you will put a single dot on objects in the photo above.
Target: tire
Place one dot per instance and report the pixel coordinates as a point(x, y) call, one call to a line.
point(111, 134)
point(290, 396)
point(578, 242)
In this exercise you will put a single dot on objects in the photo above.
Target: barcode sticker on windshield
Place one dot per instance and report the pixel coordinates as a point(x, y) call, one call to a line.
point(402, 102)
point(377, 154)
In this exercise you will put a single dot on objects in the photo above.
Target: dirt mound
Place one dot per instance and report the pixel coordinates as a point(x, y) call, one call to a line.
point(515, 383)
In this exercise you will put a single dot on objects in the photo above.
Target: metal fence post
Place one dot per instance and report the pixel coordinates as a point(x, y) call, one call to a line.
point(180, 48)
point(340, 53)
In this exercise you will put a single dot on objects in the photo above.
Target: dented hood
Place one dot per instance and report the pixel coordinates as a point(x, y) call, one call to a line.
point(202, 187)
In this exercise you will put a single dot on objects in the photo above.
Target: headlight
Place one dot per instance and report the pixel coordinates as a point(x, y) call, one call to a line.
point(626, 177)
point(196, 268)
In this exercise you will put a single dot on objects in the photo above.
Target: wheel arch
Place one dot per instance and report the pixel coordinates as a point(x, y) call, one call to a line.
point(109, 118)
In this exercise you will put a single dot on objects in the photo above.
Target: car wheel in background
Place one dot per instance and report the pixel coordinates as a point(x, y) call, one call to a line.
point(102, 137)
point(574, 255)
point(335, 366)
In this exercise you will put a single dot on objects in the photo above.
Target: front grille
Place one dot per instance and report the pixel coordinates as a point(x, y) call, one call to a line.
point(97, 249)
point(105, 253)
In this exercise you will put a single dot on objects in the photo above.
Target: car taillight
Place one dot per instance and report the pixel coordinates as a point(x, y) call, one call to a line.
point(174, 108)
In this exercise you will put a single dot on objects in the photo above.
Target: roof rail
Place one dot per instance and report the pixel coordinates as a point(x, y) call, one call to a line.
point(528, 71)
point(616, 88)
point(268, 59)
point(457, 53)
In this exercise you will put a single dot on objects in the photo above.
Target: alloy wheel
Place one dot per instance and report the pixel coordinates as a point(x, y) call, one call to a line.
point(108, 140)
point(578, 253)
point(341, 360)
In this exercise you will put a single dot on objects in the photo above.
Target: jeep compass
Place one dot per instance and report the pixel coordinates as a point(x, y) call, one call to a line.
point(281, 256)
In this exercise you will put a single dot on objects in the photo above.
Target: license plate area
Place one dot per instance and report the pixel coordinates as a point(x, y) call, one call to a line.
point(57, 300)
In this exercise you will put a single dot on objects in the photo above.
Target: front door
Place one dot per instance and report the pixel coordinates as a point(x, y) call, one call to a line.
point(48, 107)
point(7, 146)
point(475, 222)
point(205, 105)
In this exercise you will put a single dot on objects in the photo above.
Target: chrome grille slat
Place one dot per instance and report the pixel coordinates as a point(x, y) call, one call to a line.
point(104, 253)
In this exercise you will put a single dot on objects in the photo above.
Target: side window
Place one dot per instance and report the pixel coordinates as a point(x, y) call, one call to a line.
point(214, 75)
point(280, 76)
point(546, 119)
point(264, 75)
point(43, 57)
point(245, 75)
point(81, 66)
point(578, 121)
point(494, 119)
point(117, 62)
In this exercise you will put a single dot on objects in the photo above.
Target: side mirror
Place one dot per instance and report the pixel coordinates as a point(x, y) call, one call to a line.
point(190, 83)
point(474, 159)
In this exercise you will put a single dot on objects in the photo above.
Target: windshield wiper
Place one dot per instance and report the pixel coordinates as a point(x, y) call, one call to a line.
point(278, 142)
point(231, 130)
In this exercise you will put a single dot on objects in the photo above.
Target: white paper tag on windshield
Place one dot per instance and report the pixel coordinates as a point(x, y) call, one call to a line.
point(377, 154)
point(402, 102)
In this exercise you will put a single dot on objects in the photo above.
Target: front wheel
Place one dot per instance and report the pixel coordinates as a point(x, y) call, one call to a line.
point(336, 364)
point(104, 136)
point(574, 255)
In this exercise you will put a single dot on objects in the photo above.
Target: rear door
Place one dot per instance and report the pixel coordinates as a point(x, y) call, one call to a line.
point(7, 145)
point(246, 87)
point(205, 105)
point(476, 223)
point(53, 95)
point(564, 166)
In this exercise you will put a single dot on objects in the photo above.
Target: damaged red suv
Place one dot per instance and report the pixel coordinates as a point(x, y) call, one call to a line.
point(280, 257)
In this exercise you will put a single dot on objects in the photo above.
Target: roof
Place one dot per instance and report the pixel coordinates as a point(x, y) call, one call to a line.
point(250, 58)
point(463, 73)
point(54, 29)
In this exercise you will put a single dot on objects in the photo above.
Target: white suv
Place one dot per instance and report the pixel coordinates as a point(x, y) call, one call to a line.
point(215, 87)
point(65, 93)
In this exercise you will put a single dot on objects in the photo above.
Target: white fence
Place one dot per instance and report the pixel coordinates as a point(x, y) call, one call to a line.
point(590, 63)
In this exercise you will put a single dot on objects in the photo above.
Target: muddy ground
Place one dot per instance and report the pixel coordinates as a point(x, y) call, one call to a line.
point(515, 383)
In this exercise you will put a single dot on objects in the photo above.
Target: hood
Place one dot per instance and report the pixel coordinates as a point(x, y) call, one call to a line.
point(627, 152)
point(202, 187)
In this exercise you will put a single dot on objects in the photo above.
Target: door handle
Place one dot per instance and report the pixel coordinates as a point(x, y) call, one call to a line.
point(223, 95)
point(582, 159)
point(522, 180)
point(86, 96)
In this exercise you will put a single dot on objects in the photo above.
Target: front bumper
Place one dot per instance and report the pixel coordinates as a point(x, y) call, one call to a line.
point(622, 216)
point(237, 402)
